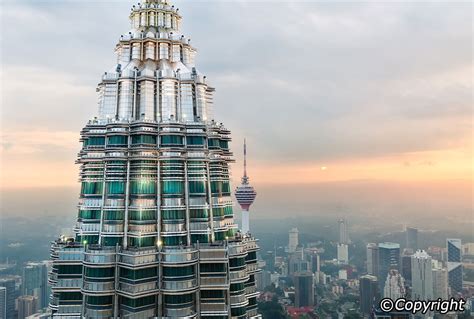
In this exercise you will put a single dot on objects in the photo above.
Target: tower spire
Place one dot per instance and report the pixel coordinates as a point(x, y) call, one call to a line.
point(245, 158)
point(245, 178)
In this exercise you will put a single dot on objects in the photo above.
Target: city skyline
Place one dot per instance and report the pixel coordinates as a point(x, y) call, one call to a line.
point(115, 165)
point(422, 106)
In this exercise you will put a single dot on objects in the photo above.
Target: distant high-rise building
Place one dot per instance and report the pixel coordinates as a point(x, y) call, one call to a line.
point(379, 314)
point(292, 240)
point(372, 259)
point(440, 283)
point(454, 259)
point(263, 279)
point(245, 195)
point(421, 276)
point(27, 305)
point(155, 233)
point(394, 285)
point(270, 260)
point(343, 236)
point(299, 263)
point(389, 258)
point(411, 238)
point(315, 263)
point(343, 254)
point(342, 275)
point(304, 289)
point(10, 288)
point(405, 267)
point(35, 282)
point(369, 293)
point(3, 303)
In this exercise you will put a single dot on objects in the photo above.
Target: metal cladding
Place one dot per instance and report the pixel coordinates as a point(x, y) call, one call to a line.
point(155, 234)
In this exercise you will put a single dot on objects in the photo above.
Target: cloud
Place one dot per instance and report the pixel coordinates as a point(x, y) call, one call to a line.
point(304, 81)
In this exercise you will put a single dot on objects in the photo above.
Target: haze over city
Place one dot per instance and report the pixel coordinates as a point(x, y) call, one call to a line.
point(365, 106)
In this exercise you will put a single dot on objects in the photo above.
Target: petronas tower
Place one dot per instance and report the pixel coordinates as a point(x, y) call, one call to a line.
point(155, 234)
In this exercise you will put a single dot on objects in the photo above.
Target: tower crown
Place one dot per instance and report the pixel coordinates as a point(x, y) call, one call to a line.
point(155, 14)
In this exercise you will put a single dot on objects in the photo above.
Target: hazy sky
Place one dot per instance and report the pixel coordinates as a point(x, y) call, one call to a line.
point(323, 91)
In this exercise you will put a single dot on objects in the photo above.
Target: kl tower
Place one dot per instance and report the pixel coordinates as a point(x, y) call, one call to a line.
point(245, 195)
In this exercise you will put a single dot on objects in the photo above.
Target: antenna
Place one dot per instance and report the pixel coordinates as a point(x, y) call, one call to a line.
point(245, 157)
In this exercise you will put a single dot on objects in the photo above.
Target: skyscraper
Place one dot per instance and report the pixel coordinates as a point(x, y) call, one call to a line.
point(155, 235)
point(389, 258)
point(35, 282)
point(454, 265)
point(304, 289)
point(372, 259)
point(394, 285)
point(3, 303)
point(10, 289)
point(411, 238)
point(245, 195)
point(342, 254)
point(343, 237)
point(405, 267)
point(292, 240)
point(299, 263)
point(369, 293)
point(27, 305)
point(440, 283)
point(421, 276)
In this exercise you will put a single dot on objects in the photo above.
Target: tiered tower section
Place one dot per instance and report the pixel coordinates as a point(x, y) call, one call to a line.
point(155, 235)
point(245, 195)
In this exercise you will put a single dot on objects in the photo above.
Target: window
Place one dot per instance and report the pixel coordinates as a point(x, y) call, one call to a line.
point(91, 188)
point(173, 214)
point(224, 144)
point(138, 274)
point(195, 140)
point(212, 294)
point(142, 186)
point(172, 187)
point(215, 267)
point(95, 141)
point(174, 240)
point(179, 299)
point(142, 215)
point(178, 271)
point(199, 213)
point(200, 238)
point(99, 300)
point(89, 214)
point(117, 140)
point(115, 188)
point(171, 140)
point(197, 187)
point(144, 139)
point(69, 269)
point(236, 312)
point(63, 296)
point(112, 241)
point(141, 242)
point(89, 239)
point(213, 143)
point(236, 262)
point(228, 211)
point(99, 272)
point(114, 214)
